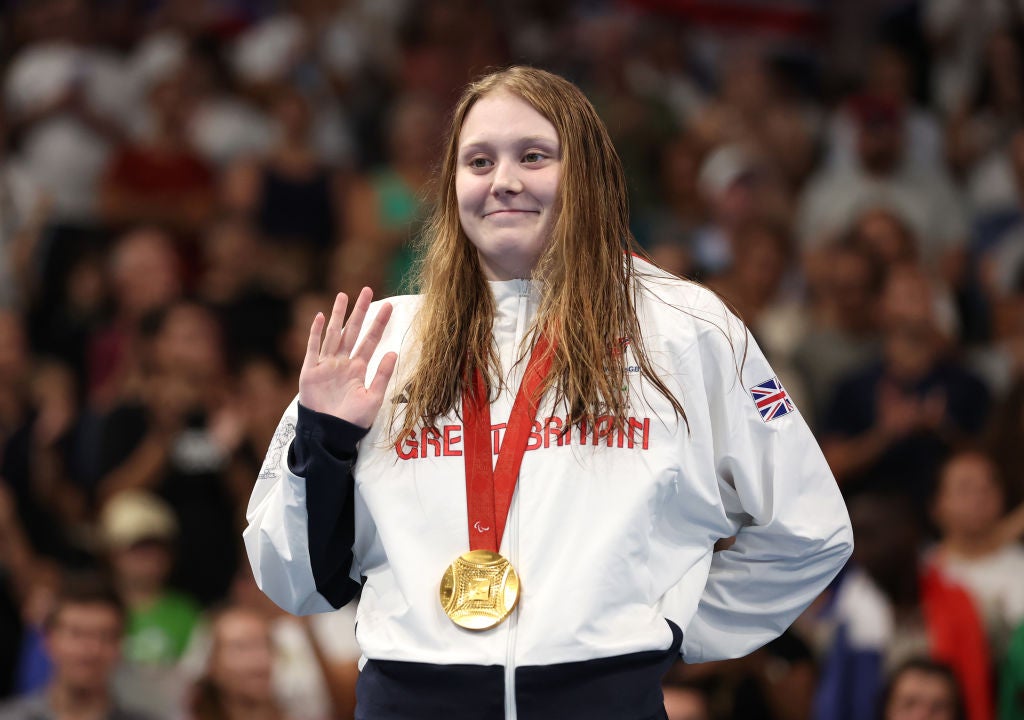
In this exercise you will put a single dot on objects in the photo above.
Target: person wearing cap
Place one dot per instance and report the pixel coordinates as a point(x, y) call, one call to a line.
point(727, 181)
point(139, 531)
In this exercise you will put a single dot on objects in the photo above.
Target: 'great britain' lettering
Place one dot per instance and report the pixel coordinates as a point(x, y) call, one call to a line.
point(547, 432)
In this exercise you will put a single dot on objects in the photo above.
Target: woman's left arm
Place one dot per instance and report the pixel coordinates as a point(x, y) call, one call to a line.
point(793, 532)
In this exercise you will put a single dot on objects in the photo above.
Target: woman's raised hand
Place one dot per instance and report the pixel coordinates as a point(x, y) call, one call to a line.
point(333, 377)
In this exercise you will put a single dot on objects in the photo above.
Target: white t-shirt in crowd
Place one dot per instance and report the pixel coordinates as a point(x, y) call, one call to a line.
point(62, 154)
point(996, 582)
point(927, 201)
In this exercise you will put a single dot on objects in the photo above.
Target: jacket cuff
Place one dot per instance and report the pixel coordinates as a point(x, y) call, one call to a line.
point(320, 432)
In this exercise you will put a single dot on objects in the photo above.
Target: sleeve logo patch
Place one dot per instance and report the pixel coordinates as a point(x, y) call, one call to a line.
point(771, 399)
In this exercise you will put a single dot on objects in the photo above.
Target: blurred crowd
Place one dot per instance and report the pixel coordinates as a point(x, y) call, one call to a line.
point(184, 183)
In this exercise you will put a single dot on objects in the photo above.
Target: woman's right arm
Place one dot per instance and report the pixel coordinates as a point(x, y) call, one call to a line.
point(301, 515)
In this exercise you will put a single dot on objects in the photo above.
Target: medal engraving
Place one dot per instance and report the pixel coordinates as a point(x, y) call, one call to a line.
point(479, 590)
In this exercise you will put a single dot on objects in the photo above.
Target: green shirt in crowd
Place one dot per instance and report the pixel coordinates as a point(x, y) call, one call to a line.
point(158, 634)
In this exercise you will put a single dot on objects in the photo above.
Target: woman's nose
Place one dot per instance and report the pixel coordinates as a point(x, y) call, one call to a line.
point(506, 178)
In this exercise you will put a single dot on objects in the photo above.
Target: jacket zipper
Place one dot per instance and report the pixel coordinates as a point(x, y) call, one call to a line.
point(512, 530)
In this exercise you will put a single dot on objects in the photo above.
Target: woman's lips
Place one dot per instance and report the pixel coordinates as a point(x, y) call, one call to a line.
point(509, 211)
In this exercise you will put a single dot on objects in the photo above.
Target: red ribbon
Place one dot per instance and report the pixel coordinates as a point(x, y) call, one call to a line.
point(489, 489)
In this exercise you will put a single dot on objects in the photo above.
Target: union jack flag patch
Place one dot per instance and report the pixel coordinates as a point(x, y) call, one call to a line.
point(771, 399)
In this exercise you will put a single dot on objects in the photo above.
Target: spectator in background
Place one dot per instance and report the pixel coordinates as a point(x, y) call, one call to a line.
point(754, 288)
point(382, 210)
point(659, 68)
point(639, 126)
point(237, 682)
point(40, 463)
point(885, 235)
point(160, 180)
point(314, 657)
point(968, 505)
point(1001, 254)
point(284, 49)
point(888, 76)
point(23, 209)
point(891, 424)
point(889, 608)
point(730, 182)
point(431, 64)
point(145, 276)
point(958, 32)
point(980, 132)
point(1006, 437)
point(290, 195)
point(175, 436)
point(140, 532)
point(669, 225)
point(225, 124)
point(881, 177)
point(64, 95)
point(83, 637)
point(751, 283)
point(922, 689)
point(752, 109)
point(40, 589)
point(64, 320)
point(237, 282)
point(843, 335)
point(264, 387)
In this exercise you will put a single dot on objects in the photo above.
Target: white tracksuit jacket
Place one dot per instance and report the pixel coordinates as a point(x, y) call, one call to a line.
point(612, 536)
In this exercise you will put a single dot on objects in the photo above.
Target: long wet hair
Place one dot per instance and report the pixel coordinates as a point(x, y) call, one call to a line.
point(586, 273)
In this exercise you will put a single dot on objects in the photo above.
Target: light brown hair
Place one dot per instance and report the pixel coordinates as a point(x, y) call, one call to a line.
point(586, 272)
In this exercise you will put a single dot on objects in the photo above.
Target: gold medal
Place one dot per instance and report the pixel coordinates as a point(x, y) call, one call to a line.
point(479, 589)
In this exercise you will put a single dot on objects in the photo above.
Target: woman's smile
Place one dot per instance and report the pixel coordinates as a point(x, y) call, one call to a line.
point(506, 183)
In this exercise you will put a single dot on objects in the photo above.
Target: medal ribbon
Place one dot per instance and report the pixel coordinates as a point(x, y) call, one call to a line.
point(489, 489)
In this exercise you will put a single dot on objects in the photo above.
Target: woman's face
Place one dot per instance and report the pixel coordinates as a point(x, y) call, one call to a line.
point(506, 182)
point(970, 500)
point(242, 656)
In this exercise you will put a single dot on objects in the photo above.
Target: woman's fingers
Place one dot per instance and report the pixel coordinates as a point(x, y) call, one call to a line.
point(335, 328)
point(355, 323)
point(369, 343)
point(333, 374)
point(313, 345)
point(383, 375)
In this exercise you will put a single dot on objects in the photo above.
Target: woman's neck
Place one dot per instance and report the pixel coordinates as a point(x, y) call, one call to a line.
point(139, 596)
point(967, 546)
point(251, 709)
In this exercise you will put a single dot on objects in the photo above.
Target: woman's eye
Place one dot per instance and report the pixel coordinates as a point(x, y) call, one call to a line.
point(479, 163)
point(532, 157)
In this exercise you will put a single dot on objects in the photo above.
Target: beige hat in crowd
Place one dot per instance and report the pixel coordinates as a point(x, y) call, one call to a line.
point(131, 516)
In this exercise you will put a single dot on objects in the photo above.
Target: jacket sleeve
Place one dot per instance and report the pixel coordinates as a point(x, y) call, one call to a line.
point(792, 529)
point(301, 515)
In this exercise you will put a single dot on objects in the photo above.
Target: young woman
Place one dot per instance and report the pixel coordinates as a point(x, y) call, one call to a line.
point(527, 466)
point(237, 684)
